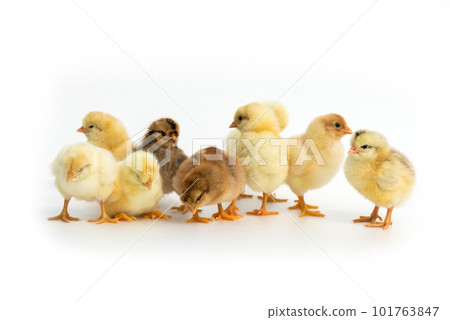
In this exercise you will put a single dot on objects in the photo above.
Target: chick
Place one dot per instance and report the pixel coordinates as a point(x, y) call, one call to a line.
point(161, 139)
point(260, 125)
point(326, 154)
point(105, 131)
point(87, 173)
point(380, 173)
point(210, 176)
point(137, 189)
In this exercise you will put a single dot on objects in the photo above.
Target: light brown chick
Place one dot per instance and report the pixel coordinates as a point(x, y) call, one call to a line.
point(107, 132)
point(210, 176)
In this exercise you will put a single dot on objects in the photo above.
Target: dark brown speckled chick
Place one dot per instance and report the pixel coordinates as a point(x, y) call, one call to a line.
point(161, 139)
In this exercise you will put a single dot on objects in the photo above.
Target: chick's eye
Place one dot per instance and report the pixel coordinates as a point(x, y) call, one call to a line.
point(240, 118)
point(365, 146)
point(199, 198)
point(91, 126)
point(81, 169)
point(337, 124)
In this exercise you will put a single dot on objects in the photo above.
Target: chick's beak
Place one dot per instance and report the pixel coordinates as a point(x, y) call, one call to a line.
point(233, 125)
point(353, 151)
point(173, 138)
point(70, 176)
point(81, 129)
point(148, 185)
point(348, 131)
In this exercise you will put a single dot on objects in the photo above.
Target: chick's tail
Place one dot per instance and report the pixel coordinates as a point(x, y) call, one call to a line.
point(280, 112)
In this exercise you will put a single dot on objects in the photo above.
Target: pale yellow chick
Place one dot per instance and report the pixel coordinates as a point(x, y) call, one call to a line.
point(85, 172)
point(137, 189)
point(380, 173)
point(316, 158)
point(105, 131)
point(259, 147)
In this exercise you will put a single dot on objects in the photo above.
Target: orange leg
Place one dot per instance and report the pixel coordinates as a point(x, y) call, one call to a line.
point(223, 214)
point(232, 210)
point(243, 195)
point(64, 215)
point(263, 211)
point(197, 218)
point(103, 217)
point(305, 208)
point(273, 198)
point(386, 223)
point(372, 218)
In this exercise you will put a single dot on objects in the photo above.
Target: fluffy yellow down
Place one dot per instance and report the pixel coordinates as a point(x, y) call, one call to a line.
point(380, 173)
point(131, 195)
point(94, 169)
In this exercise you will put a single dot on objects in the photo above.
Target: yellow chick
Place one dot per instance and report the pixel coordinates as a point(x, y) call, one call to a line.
point(259, 148)
point(85, 172)
point(380, 173)
point(316, 158)
point(137, 189)
point(107, 132)
point(210, 176)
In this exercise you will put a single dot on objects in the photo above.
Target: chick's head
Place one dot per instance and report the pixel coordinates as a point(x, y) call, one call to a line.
point(255, 117)
point(195, 191)
point(332, 125)
point(165, 131)
point(367, 144)
point(77, 165)
point(141, 169)
point(102, 129)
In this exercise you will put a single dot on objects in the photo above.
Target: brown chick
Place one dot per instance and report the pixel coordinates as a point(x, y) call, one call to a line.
point(107, 132)
point(211, 176)
point(161, 139)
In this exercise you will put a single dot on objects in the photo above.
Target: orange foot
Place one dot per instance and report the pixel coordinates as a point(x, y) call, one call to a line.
point(101, 220)
point(123, 217)
point(385, 225)
point(273, 198)
point(64, 215)
point(224, 215)
point(263, 211)
point(156, 214)
point(103, 217)
point(305, 208)
point(197, 218)
point(372, 218)
point(232, 210)
point(183, 209)
point(243, 195)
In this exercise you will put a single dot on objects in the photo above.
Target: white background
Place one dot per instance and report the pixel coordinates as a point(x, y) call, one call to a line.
point(387, 72)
